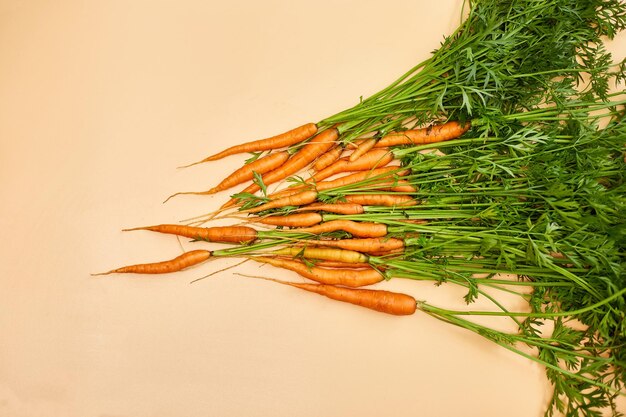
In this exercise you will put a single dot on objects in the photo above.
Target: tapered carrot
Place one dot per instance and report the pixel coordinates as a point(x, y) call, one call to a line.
point(339, 208)
point(376, 158)
point(347, 277)
point(375, 174)
point(328, 158)
point(337, 264)
point(370, 246)
point(300, 199)
point(431, 134)
point(315, 147)
point(179, 263)
point(383, 301)
point(227, 234)
point(245, 173)
point(363, 147)
point(342, 181)
point(290, 220)
point(362, 229)
point(326, 254)
point(289, 138)
point(388, 200)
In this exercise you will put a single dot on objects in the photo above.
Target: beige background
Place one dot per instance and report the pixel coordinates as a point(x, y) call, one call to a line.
point(99, 102)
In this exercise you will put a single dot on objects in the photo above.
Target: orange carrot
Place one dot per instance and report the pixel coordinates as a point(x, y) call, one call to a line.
point(245, 173)
point(345, 180)
point(230, 234)
point(326, 254)
point(383, 301)
point(328, 158)
point(362, 229)
point(371, 245)
point(376, 158)
point(316, 146)
point(339, 208)
point(381, 200)
point(290, 220)
point(363, 147)
point(336, 264)
point(279, 141)
point(299, 199)
point(179, 263)
point(377, 174)
point(346, 277)
point(430, 134)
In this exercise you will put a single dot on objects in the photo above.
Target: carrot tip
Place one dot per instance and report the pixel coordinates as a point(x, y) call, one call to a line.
point(192, 164)
point(102, 273)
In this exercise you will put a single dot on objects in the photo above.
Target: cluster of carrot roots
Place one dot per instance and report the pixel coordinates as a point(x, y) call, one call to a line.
point(491, 158)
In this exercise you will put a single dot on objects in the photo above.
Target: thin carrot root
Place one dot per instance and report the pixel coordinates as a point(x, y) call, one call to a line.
point(326, 254)
point(369, 246)
point(397, 304)
point(353, 278)
point(431, 134)
point(376, 158)
point(225, 234)
point(328, 158)
point(179, 263)
point(388, 200)
point(289, 138)
point(290, 220)
point(299, 199)
point(338, 208)
point(363, 148)
point(357, 229)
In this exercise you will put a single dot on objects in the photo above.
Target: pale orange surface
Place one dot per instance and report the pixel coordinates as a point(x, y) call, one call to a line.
point(99, 102)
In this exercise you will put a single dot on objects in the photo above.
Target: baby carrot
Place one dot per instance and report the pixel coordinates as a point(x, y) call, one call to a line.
point(328, 158)
point(363, 147)
point(179, 263)
point(370, 246)
point(388, 200)
point(279, 141)
point(290, 220)
point(299, 199)
point(383, 301)
point(339, 208)
point(326, 254)
point(347, 277)
point(430, 134)
point(376, 158)
point(245, 173)
point(227, 234)
point(362, 229)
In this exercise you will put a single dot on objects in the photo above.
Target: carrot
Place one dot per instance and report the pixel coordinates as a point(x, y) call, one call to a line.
point(380, 200)
point(345, 180)
point(336, 264)
point(339, 208)
point(362, 229)
point(179, 263)
point(290, 220)
point(376, 158)
point(383, 301)
point(328, 158)
point(316, 146)
point(299, 199)
point(363, 147)
point(346, 277)
point(279, 141)
point(430, 134)
point(371, 245)
point(230, 234)
point(326, 254)
point(245, 173)
point(377, 174)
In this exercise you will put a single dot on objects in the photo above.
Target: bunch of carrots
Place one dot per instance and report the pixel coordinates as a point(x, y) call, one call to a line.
point(486, 159)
